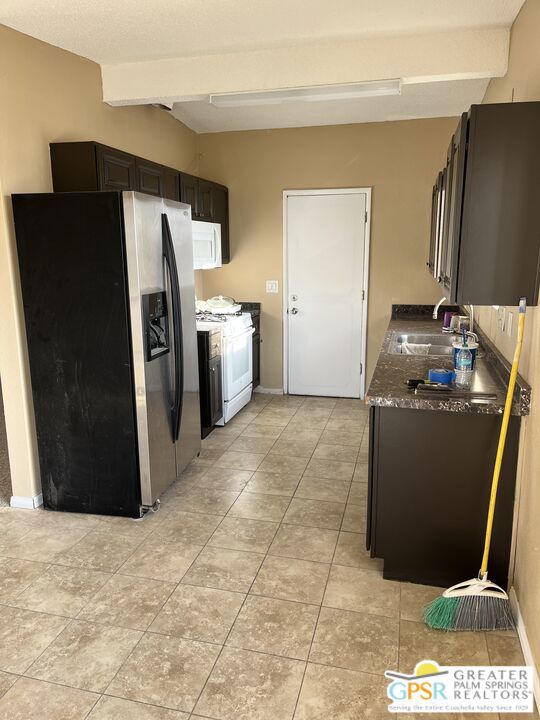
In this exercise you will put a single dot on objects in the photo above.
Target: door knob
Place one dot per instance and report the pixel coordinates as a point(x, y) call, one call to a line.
point(294, 311)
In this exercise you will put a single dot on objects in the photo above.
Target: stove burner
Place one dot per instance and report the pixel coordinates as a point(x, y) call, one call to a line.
point(207, 316)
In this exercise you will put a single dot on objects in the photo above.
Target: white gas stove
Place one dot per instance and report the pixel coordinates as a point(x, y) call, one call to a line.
point(236, 351)
point(229, 324)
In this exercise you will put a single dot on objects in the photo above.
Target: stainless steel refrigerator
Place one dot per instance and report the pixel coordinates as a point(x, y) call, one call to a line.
point(108, 292)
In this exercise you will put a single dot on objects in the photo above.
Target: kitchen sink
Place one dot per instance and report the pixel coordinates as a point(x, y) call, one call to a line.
point(422, 344)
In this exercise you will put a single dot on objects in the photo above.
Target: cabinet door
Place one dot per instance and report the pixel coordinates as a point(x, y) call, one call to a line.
point(221, 215)
point(443, 210)
point(149, 177)
point(256, 359)
point(457, 157)
point(445, 247)
point(371, 510)
point(171, 184)
point(439, 213)
point(205, 201)
point(433, 230)
point(189, 192)
point(215, 388)
point(116, 169)
point(500, 230)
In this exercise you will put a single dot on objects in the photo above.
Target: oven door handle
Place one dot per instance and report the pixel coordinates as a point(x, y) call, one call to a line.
point(249, 331)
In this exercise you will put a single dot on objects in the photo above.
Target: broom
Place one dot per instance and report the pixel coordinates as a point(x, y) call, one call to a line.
point(479, 604)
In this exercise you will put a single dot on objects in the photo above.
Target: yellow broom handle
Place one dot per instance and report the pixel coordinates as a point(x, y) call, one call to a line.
point(502, 437)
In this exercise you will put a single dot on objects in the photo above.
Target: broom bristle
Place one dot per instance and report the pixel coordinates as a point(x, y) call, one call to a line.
point(483, 613)
point(469, 612)
point(440, 613)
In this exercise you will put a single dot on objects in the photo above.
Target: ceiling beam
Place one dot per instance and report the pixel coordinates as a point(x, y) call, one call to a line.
point(433, 57)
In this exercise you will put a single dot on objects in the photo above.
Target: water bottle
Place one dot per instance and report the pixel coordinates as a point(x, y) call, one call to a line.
point(464, 371)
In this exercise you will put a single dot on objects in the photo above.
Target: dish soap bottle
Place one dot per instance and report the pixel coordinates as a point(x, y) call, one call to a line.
point(464, 371)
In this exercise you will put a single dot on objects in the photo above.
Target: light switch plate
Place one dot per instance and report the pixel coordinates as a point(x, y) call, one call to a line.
point(272, 286)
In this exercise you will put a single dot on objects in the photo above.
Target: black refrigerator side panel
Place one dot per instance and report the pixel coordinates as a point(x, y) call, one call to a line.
point(75, 297)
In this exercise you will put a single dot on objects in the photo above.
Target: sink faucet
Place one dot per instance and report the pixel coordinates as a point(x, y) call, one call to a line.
point(437, 306)
point(471, 318)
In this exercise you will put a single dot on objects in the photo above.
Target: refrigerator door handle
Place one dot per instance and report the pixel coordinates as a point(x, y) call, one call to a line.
point(178, 344)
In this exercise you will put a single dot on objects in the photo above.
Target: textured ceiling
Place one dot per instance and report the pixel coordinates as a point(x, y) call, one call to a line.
point(443, 99)
point(116, 31)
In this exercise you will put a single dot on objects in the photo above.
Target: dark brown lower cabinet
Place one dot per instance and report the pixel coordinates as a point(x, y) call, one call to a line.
point(210, 381)
point(428, 493)
point(256, 340)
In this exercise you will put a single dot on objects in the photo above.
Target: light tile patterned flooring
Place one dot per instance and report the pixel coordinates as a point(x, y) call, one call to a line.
point(249, 596)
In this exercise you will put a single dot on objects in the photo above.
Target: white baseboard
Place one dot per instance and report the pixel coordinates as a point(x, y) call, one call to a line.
point(268, 391)
point(27, 503)
point(525, 645)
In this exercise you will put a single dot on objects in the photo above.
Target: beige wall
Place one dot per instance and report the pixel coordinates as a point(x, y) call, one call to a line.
point(47, 95)
point(521, 83)
point(398, 159)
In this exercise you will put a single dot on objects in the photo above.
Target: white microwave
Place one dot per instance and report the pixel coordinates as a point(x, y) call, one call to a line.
point(206, 245)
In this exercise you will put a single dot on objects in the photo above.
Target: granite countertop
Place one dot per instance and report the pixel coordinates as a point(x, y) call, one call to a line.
point(388, 386)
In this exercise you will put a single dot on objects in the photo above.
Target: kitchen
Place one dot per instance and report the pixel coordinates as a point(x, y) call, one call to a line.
point(257, 166)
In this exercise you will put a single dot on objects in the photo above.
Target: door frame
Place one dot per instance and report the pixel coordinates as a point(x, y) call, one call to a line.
point(365, 285)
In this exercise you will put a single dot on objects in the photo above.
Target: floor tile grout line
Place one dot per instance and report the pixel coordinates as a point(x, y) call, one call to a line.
point(233, 623)
point(155, 532)
point(51, 682)
point(140, 579)
point(34, 661)
point(230, 630)
point(316, 624)
point(238, 614)
point(143, 632)
point(236, 618)
point(318, 613)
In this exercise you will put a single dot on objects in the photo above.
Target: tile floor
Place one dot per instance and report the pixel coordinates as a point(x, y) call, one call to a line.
point(247, 597)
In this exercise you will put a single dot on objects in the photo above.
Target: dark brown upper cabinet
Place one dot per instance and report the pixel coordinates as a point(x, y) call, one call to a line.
point(116, 169)
point(220, 208)
point(487, 209)
point(209, 203)
point(437, 212)
point(198, 193)
point(171, 184)
point(189, 192)
point(455, 168)
point(92, 166)
point(89, 166)
point(205, 209)
point(150, 177)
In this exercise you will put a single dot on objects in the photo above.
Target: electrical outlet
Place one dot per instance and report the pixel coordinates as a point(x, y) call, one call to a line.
point(271, 286)
point(509, 319)
point(501, 312)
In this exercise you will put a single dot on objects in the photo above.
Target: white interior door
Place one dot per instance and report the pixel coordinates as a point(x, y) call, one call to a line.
point(325, 251)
